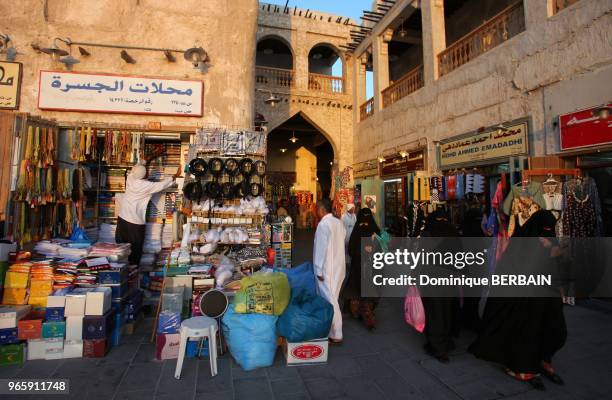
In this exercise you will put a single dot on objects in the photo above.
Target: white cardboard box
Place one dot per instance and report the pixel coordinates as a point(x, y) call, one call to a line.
point(56, 301)
point(310, 352)
point(54, 348)
point(36, 349)
point(74, 327)
point(75, 305)
point(73, 349)
point(9, 315)
point(98, 301)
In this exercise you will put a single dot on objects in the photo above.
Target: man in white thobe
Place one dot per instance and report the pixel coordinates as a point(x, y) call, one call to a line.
point(329, 264)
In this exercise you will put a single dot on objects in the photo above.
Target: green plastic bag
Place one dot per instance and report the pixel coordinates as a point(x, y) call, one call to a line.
point(383, 240)
point(263, 293)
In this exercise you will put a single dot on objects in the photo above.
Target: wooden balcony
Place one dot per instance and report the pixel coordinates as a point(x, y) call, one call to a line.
point(493, 32)
point(366, 109)
point(325, 83)
point(277, 77)
point(407, 84)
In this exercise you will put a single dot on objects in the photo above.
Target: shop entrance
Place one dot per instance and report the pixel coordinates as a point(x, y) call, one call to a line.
point(300, 160)
point(599, 167)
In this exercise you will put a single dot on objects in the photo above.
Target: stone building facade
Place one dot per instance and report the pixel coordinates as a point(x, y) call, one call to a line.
point(228, 81)
point(556, 61)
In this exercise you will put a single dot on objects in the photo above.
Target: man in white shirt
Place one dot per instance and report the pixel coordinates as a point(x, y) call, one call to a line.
point(133, 208)
point(329, 264)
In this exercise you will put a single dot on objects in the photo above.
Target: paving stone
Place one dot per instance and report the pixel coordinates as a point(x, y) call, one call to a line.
point(215, 396)
point(38, 369)
point(168, 384)
point(282, 372)
point(124, 352)
point(145, 353)
point(288, 386)
point(324, 388)
point(292, 396)
point(397, 388)
point(140, 377)
point(135, 395)
point(222, 382)
point(8, 371)
point(252, 388)
point(315, 371)
point(476, 390)
point(189, 395)
point(375, 367)
point(361, 387)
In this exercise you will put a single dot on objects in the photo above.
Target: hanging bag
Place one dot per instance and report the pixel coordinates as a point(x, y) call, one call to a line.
point(414, 312)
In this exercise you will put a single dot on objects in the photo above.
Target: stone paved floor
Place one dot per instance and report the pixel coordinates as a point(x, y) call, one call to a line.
point(386, 364)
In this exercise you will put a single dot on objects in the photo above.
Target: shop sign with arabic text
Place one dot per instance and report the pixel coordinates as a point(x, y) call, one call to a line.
point(106, 93)
point(10, 85)
point(488, 145)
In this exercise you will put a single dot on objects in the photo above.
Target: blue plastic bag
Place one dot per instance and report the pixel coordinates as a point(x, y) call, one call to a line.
point(79, 235)
point(301, 277)
point(168, 322)
point(307, 317)
point(251, 338)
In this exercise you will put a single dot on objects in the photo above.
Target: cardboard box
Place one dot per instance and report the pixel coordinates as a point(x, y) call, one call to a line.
point(167, 346)
point(95, 348)
point(98, 301)
point(74, 327)
point(56, 301)
point(30, 327)
point(55, 314)
point(36, 349)
point(53, 329)
point(75, 304)
point(113, 276)
point(8, 336)
point(73, 349)
point(118, 291)
point(311, 352)
point(54, 348)
point(11, 354)
point(98, 326)
point(9, 315)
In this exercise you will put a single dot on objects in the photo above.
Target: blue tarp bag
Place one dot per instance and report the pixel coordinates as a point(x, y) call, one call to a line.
point(307, 317)
point(301, 277)
point(251, 338)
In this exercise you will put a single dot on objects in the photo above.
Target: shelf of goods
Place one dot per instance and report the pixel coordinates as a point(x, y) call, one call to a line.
point(282, 243)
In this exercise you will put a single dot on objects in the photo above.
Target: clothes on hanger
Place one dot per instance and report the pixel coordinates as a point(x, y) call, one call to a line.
point(582, 216)
point(521, 203)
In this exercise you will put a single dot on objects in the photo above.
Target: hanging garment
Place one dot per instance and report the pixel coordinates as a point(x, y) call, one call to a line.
point(451, 187)
point(582, 215)
point(523, 202)
point(460, 187)
point(421, 191)
point(434, 186)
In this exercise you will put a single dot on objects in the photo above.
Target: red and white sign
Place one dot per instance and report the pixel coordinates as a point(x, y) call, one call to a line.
point(108, 93)
point(585, 128)
point(311, 352)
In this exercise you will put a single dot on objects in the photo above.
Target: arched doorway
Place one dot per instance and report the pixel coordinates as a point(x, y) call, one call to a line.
point(300, 161)
point(325, 69)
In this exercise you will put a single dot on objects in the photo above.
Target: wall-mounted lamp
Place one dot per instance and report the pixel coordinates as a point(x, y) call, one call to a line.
point(11, 52)
point(602, 112)
point(381, 159)
point(198, 57)
point(68, 61)
point(272, 100)
point(54, 50)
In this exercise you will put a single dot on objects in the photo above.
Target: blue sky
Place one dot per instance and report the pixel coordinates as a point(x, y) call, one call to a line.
point(346, 8)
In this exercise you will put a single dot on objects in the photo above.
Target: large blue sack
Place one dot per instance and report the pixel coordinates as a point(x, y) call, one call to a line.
point(308, 316)
point(301, 277)
point(251, 338)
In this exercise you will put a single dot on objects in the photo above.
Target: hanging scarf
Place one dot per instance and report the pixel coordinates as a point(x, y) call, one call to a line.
point(29, 143)
point(50, 146)
point(36, 150)
point(74, 144)
point(87, 141)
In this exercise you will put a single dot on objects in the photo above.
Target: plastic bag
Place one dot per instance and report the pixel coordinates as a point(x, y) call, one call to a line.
point(307, 317)
point(79, 235)
point(168, 322)
point(301, 277)
point(383, 240)
point(263, 293)
point(414, 312)
point(251, 338)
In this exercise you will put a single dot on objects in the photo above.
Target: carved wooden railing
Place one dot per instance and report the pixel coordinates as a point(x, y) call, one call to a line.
point(366, 109)
point(269, 76)
point(326, 83)
point(407, 84)
point(503, 26)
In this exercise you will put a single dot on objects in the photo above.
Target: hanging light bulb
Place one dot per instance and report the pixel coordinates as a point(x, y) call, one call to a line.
point(381, 159)
point(404, 153)
point(283, 150)
point(402, 32)
point(293, 139)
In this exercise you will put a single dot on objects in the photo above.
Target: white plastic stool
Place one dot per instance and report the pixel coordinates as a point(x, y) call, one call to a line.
point(200, 328)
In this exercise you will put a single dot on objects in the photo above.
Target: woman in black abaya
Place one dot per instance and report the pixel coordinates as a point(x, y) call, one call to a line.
point(523, 333)
point(363, 232)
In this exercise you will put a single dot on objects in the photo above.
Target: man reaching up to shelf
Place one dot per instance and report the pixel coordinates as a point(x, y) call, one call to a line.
point(328, 260)
point(133, 208)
